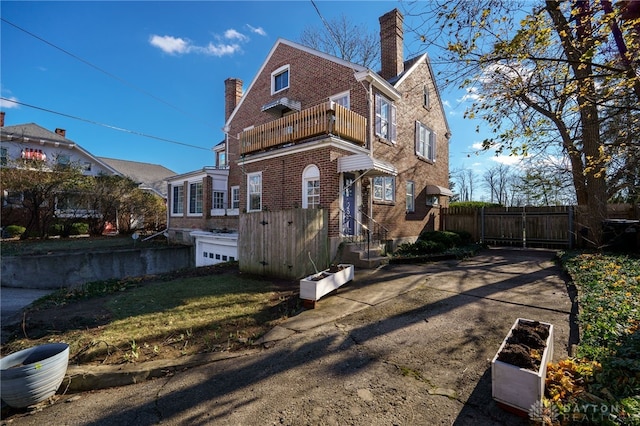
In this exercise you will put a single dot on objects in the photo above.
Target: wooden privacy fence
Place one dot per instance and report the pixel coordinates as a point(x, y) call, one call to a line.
point(283, 243)
point(550, 226)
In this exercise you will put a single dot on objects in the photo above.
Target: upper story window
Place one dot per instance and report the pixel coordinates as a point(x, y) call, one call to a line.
point(280, 79)
point(425, 142)
point(385, 118)
point(411, 198)
point(4, 159)
point(311, 187)
point(235, 197)
point(254, 192)
point(342, 99)
point(177, 200)
point(384, 188)
point(425, 96)
point(63, 160)
point(195, 198)
point(221, 160)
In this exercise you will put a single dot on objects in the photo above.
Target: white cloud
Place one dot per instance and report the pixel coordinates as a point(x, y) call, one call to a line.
point(170, 45)
point(257, 30)
point(509, 160)
point(232, 34)
point(472, 95)
point(9, 103)
point(178, 46)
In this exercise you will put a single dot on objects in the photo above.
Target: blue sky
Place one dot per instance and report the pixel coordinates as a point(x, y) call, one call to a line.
point(157, 68)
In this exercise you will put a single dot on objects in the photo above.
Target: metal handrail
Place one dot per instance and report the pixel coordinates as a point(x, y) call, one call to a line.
point(363, 240)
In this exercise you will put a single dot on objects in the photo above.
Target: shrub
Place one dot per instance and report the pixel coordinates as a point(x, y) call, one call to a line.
point(446, 238)
point(79, 228)
point(14, 230)
point(465, 237)
point(56, 229)
point(419, 247)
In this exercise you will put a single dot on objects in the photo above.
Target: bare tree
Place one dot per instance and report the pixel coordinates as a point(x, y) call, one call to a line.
point(344, 39)
point(497, 181)
point(546, 73)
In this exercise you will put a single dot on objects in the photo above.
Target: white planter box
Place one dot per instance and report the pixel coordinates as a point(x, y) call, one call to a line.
point(518, 388)
point(313, 289)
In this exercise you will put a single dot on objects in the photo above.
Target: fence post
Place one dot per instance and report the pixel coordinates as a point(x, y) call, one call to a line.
point(482, 225)
point(571, 230)
point(524, 227)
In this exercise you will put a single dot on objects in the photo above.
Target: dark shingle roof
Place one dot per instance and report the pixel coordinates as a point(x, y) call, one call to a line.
point(33, 131)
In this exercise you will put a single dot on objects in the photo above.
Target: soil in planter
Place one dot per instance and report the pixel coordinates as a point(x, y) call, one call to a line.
point(525, 346)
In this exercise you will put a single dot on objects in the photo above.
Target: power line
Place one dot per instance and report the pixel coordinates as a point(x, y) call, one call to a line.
point(115, 77)
point(133, 132)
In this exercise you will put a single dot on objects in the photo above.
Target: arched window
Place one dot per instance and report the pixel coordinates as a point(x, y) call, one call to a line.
point(311, 187)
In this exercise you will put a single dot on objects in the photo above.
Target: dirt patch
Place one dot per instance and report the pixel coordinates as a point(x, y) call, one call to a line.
point(42, 323)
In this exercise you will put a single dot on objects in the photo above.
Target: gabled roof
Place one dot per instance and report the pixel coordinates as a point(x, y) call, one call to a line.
point(148, 176)
point(281, 41)
point(411, 65)
point(31, 132)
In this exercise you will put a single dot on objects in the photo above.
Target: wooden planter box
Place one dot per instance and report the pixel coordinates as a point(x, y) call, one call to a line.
point(517, 389)
point(313, 287)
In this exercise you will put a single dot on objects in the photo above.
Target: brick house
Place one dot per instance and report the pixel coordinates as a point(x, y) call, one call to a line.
point(314, 131)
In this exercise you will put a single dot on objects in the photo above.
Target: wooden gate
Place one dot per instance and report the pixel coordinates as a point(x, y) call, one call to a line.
point(288, 244)
point(550, 227)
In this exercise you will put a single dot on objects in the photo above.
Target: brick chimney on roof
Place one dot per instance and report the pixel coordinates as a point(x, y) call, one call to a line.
point(1, 118)
point(61, 132)
point(391, 39)
point(232, 95)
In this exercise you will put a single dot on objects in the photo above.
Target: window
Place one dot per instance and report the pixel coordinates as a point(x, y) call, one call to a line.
point(177, 202)
point(425, 142)
point(3, 157)
point(342, 99)
point(425, 96)
point(385, 118)
point(254, 191)
point(63, 160)
point(411, 205)
point(218, 199)
point(221, 160)
point(432, 200)
point(235, 197)
point(280, 79)
point(195, 198)
point(311, 187)
point(86, 166)
point(384, 188)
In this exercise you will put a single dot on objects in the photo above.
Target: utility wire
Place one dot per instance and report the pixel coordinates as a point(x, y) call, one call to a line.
point(133, 132)
point(115, 77)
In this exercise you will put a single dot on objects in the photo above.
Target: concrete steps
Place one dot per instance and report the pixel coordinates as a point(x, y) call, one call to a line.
point(363, 258)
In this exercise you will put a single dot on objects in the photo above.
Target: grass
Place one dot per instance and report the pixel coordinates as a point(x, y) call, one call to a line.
point(17, 247)
point(606, 370)
point(193, 311)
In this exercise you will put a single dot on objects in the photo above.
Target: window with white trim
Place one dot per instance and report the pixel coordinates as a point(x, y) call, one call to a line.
point(235, 197)
point(342, 99)
point(177, 200)
point(218, 199)
point(384, 188)
point(411, 199)
point(311, 187)
point(254, 192)
point(425, 142)
point(195, 198)
point(4, 159)
point(385, 118)
point(280, 79)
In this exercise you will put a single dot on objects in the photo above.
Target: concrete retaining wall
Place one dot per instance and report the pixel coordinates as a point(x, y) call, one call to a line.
point(72, 270)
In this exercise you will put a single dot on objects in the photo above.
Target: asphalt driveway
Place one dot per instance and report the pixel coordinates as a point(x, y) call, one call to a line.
point(405, 345)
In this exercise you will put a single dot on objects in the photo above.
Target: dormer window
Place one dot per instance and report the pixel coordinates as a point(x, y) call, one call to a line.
point(280, 79)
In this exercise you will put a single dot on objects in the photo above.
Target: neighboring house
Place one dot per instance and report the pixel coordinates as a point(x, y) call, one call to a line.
point(35, 143)
point(315, 131)
point(150, 177)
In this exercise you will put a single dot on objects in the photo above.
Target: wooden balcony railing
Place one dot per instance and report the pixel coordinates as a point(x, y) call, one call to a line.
point(325, 119)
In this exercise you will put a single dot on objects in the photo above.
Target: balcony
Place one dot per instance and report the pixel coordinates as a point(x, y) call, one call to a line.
point(325, 119)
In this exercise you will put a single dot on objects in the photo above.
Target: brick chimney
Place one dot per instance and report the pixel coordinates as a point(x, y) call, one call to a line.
point(232, 95)
point(1, 118)
point(61, 132)
point(391, 39)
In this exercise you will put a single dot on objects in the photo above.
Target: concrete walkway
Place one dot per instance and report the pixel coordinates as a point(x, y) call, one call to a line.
point(417, 337)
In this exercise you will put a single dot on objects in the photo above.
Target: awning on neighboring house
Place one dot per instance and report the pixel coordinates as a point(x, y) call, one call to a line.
point(368, 165)
point(438, 190)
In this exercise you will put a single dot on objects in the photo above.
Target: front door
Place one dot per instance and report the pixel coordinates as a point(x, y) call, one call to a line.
point(348, 204)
